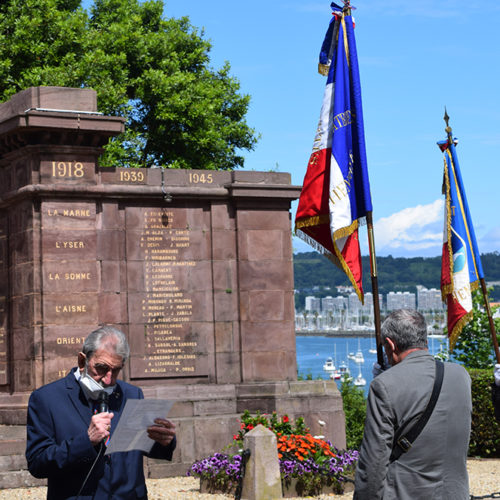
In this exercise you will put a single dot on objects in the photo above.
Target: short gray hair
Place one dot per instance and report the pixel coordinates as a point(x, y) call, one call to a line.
point(105, 335)
point(406, 328)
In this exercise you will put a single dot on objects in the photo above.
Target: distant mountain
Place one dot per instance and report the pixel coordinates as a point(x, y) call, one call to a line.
point(316, 275)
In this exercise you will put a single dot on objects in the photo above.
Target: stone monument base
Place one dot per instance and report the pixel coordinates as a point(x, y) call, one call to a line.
point(207, 417)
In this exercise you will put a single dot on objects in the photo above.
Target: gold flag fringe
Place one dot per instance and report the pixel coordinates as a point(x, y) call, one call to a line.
point(448, 288)
point(336, 258)
point(343, 232)
point(317, 220)
point(457, 329)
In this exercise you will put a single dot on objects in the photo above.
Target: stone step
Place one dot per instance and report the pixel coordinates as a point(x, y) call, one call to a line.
point(13, 466)
point(12, 440)
point(19, 479)
point(13, 408)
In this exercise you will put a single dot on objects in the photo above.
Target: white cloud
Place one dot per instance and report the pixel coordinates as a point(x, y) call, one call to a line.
point(412, 231)
point(490, 242)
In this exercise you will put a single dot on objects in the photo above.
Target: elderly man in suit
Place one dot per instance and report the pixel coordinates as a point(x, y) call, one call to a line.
point(435, 465)
point(66, 432)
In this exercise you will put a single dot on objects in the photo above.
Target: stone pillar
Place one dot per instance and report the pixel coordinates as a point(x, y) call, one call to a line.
point(262, 479)
point(50, 140)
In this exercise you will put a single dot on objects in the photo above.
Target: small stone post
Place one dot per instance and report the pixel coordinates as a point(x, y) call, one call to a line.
point(262, 479)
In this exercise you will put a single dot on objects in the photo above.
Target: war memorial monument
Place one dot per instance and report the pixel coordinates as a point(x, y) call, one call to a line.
point(195, 266)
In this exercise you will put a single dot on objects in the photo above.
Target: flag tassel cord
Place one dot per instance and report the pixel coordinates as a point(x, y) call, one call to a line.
point(481, 280)
point(374, 277)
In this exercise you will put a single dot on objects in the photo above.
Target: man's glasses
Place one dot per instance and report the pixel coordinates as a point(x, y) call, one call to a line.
point(102, 369)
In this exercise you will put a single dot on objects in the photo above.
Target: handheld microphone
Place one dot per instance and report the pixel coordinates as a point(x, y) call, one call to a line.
point(102, 407)
point(103, 402)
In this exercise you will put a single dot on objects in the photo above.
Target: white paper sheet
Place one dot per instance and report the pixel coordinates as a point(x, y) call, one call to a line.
point(137, 416)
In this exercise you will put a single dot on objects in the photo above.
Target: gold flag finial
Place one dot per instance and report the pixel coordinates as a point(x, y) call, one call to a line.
point(447, 119)
point(347, 7)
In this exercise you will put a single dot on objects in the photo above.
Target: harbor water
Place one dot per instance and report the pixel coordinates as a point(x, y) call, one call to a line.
point(313, 351)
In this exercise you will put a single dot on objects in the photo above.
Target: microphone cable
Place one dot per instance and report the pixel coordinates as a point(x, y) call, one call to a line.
point(102, 408)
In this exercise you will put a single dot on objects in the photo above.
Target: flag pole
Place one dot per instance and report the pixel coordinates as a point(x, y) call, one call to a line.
point(373, 260)
point(374, 276)
point(481, 280)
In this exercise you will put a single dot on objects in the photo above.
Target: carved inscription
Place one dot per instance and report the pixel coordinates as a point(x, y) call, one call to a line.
point(131, 175)
point(69, 340)
point(67, 169)
point(124, 175)
point(55, 171)
point(70, 270)
point(166, 309)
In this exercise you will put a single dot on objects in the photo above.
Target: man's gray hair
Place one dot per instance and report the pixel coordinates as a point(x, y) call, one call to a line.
point(106, 337)
point(406, 328)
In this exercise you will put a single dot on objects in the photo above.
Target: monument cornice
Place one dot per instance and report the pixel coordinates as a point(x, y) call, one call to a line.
point(149, 192)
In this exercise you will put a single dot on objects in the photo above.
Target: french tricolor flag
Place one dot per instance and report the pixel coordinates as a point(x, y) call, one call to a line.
point(335, 196)
point(461, 267)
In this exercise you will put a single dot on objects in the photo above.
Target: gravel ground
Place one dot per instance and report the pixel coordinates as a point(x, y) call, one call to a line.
point(484, 477)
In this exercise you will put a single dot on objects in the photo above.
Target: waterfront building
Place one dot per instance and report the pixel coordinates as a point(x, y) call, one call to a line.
point(313, 304)
point(429, 300)
point(400, 300)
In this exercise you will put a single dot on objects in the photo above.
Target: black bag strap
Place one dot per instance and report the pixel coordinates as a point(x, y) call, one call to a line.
point(404, 443)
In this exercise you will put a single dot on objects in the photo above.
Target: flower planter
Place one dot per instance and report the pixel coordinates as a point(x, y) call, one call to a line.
point(208, 487)
point(295, 488)
point(291, 488)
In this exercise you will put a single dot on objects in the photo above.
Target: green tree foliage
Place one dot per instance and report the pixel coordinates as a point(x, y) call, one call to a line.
point(474, 346)
point(354, 402)
point(154, 71)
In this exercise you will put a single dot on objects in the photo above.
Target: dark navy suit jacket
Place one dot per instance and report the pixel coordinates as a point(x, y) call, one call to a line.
point(58, 446)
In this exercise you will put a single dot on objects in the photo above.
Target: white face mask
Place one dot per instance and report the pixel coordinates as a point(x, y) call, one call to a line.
point(91, 387)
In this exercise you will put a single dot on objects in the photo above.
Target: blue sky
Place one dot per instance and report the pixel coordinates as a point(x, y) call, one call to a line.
point(414, 58)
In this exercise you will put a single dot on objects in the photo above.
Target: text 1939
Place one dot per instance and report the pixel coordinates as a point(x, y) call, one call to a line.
point(131, 176)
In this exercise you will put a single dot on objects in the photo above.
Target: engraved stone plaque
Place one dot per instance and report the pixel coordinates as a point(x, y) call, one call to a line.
point(169, 268)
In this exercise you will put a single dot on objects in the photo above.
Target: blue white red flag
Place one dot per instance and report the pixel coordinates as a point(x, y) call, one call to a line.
point(461, 267)
point(335, 196)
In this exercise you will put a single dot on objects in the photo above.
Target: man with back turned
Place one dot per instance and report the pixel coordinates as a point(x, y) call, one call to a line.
point(66, 433)
point(435, 465)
